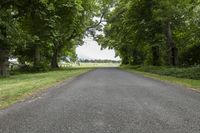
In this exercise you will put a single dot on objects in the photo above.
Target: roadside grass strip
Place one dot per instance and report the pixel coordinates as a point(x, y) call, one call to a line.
point(18, 87)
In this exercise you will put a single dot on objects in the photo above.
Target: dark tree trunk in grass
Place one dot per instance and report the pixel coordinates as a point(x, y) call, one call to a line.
point(56, 51)
point(54, 60)
point(4, 63)
point(156, 55)
point(4, 53)
point(37, 55)
point(125, 60)
point(173, 51)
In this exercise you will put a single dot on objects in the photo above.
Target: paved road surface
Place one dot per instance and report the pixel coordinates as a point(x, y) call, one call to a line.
point(107, 101)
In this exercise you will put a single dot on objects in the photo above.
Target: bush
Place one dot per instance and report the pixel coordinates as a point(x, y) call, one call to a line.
point(30, 69)
point(191, 56)
point(42, 67)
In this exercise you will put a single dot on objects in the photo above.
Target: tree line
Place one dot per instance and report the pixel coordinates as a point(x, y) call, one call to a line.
point(40, 32)
point(98, 61)
point(154, 32)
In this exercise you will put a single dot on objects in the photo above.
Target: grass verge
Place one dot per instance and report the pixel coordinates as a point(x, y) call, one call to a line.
point(185, 72)
point(18, 87)
point(189, 83)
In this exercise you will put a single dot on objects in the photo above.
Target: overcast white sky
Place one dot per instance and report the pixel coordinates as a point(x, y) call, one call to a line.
point(91, 50)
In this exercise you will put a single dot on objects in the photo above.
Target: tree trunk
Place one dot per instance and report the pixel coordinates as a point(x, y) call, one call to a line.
point(173, 51)
point(56, 51)
point(4, 64)
point(4, 53)
point(125, 60)
point(156, 56)
point(37, 55)
point(54, 60)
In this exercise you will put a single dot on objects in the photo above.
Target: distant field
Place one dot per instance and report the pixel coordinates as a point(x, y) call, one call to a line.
point(20, 86)
point(85, 65)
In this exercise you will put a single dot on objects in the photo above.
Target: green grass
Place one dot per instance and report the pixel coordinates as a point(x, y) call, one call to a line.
point(92, 65)
point(19, 87)
point(99, 65)
point(188, 73)
point(189, 83)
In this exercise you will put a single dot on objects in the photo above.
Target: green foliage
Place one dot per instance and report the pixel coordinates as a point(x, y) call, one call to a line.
point(153, 32)
point(191, 56)
point(41, 32)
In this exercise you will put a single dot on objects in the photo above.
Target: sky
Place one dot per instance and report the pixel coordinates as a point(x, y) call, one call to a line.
point(91, 50)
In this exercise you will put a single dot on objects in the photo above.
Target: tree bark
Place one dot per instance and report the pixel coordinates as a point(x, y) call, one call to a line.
point(125, 60)
point(37, 55)
point(156, 56)
point(55, 57)
point(4, 53)
point(54, 60)
point(173, 51)
point(4, 63)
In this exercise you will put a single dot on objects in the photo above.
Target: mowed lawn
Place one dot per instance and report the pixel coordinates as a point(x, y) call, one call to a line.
point(99, 65)
point(90, 65)
point(18, 87)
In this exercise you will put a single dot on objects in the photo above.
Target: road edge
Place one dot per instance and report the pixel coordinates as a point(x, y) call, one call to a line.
point(43, 90)
point(155, 77)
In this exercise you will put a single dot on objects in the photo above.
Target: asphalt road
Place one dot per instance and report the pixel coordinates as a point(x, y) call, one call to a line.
point(107, 101)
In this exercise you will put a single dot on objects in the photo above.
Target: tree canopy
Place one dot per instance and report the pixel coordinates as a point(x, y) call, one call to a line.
point(40, 32)
point(154, 32)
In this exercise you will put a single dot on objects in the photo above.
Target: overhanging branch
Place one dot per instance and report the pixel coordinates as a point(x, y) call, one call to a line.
point(100, 21)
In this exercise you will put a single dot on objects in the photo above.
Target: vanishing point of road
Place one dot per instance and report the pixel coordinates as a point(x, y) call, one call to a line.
point(107, 100)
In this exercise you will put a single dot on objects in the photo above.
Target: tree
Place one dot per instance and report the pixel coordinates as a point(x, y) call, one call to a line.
point(8, 25)
point(170, 13)
point(139, 30)
point(72, 19)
